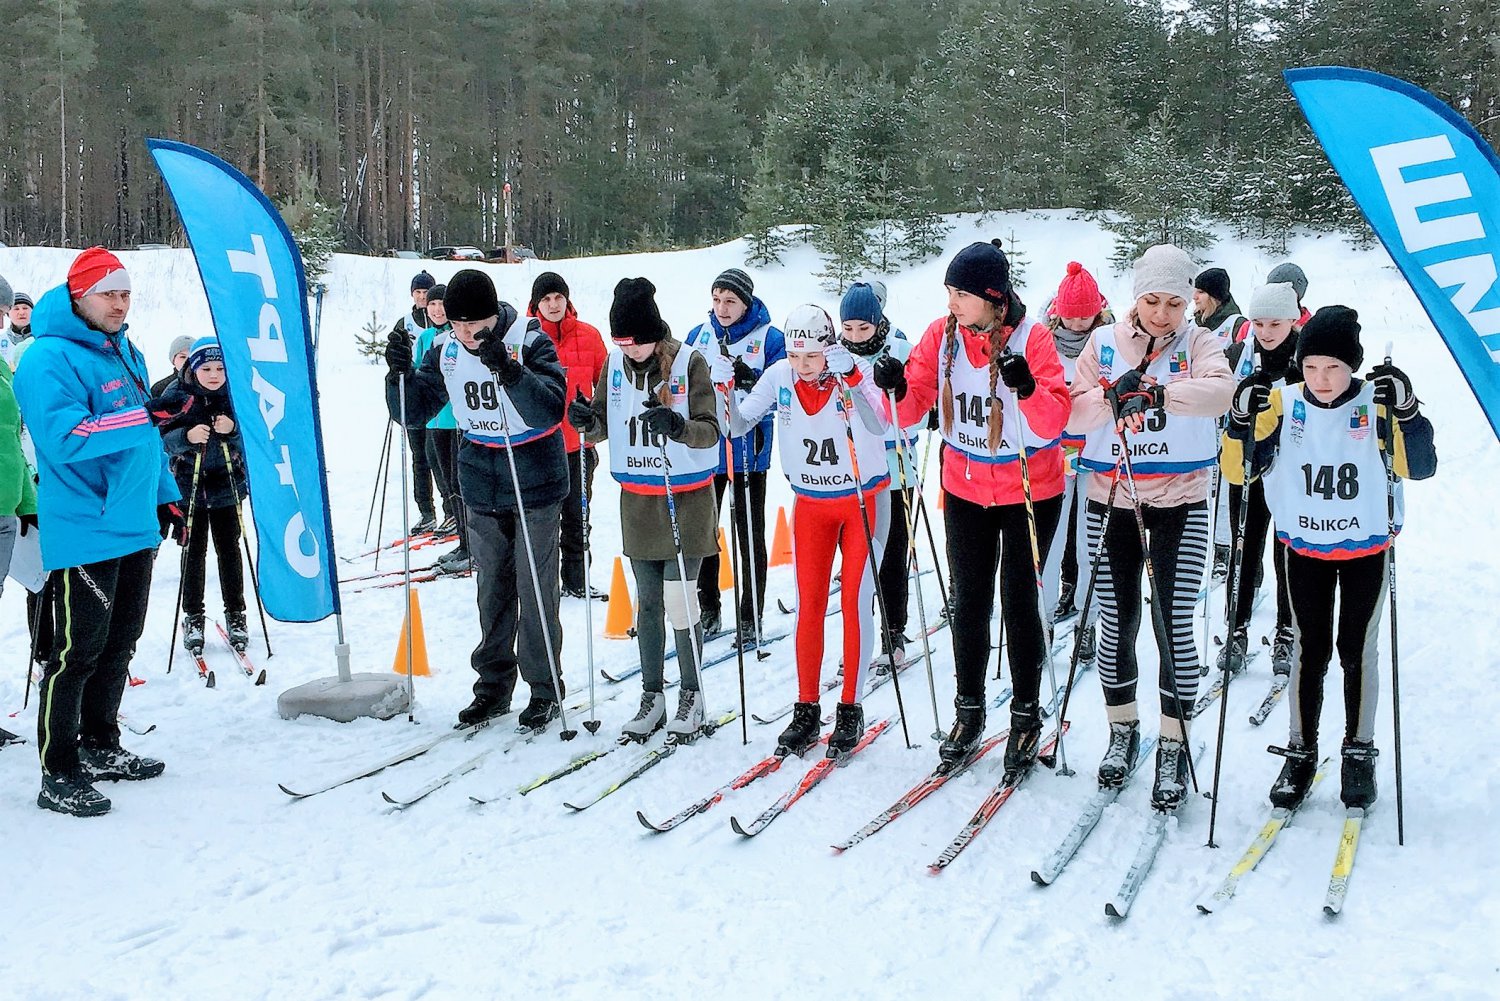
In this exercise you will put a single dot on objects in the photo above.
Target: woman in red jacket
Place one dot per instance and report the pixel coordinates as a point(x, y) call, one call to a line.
point(998, 377)
point(580, 348)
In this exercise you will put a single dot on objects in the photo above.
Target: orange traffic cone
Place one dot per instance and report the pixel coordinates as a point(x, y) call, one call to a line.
point(781, 541)
point(620, 617)
point(726, 566)
point(411, 631)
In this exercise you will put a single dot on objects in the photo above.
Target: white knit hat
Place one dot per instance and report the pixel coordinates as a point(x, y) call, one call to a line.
point(1276, 301)
point(1165, 269)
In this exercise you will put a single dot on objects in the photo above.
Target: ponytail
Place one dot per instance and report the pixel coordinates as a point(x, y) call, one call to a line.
point(950, 352)
point(664, 370)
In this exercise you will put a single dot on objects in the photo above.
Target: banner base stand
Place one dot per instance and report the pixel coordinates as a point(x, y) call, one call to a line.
point(346, 699)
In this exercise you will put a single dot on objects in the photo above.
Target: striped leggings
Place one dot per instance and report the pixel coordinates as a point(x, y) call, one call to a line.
point(1178, 538)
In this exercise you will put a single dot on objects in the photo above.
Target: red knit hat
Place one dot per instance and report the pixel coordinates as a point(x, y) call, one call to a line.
point(1078, 295)
point(97, 270)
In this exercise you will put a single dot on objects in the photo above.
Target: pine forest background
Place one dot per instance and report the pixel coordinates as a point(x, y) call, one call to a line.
point(652, 124)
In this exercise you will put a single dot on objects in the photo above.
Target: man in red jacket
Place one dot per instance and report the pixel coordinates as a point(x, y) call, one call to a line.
point(581, 350)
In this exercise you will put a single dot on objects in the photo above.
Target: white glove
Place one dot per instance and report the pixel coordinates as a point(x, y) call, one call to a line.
point(840, 361)
point(721, 368)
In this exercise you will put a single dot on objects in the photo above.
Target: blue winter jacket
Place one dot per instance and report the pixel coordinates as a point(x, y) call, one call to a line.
point(100, 461)
point(752, 453)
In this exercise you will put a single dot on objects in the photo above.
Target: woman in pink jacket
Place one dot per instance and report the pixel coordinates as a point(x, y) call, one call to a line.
point(1159, 382)
point(995, 373)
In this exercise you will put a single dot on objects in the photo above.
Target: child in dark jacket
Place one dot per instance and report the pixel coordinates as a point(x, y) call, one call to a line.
point(203, 443)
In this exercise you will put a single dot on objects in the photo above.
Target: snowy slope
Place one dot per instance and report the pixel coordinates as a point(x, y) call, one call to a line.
point(210, 883)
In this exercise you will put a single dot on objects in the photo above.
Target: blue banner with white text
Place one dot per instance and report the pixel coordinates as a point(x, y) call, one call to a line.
point(252, 273)
point(1429, 185)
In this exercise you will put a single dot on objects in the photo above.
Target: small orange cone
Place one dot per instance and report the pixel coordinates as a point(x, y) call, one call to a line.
point(781, 541)
point(620, 617)
point(412, 625)
point(726, 566)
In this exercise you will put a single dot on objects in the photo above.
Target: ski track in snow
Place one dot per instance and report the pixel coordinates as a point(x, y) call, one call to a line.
point(210, 883)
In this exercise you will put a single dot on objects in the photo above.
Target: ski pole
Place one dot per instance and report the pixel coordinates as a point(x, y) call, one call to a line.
point(1022, 431)
point(1088, 595)
point(734, 558)
point(406, 591)
point(1390, 563)
point(536, 580)
point(846, 404)
point(249, 560)
point(1158, 612)
point(937, 560)
point(592, 723)
point(687, 598)
point(1235, 585)
point(380, 473)
point(1208, 580)
point(749, 537)
point(908, 499)
point(43, 607)
point(385, 482)
point(182, 560)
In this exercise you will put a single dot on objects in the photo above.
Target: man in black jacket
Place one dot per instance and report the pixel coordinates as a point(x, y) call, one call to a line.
point(508, 389)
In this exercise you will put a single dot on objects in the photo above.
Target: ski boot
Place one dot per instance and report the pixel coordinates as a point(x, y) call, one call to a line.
point(1358, 774)
point(448, 527)
point(1221, 563)
point(802, 732)
point(1120, 757)
point(72, 793)
point(1025, 738)
point(483, 709)
point(1296, 776)
point(6, 737)
point(848, 727)
point(1065, 610)
point(745, 638)
point(1233, 654)
point(192, 634)
point(455, 561)
point(711, 621)
point(239, 632)
point(115, 764)
point(895, 654)
point(648, 719)
point(688, 723)
point(968, 728)
point(1088, 647)
point(1171, 774)
point(538, 713)
point(425, 524)
point(1282, 651)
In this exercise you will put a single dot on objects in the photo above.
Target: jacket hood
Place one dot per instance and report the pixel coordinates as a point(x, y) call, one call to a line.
point(54, 317)
point(756, 316)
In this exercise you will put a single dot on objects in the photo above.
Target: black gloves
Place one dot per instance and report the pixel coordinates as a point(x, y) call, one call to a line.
point(173, 524)
point(28, 523)
point(1250, 397)
point(745, 377)
point(1393, 391)
point(1128, 397)
point(495, 355)
point(664, 420)
point(398, 352)
point(890, 375)
point(1016, 374)
point(581, 414)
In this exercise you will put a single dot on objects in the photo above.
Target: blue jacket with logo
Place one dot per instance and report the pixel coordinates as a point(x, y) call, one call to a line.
point(100, 462)
point(752, 452)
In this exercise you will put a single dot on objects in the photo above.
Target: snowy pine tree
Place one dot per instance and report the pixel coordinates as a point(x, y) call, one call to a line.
point(314, 226)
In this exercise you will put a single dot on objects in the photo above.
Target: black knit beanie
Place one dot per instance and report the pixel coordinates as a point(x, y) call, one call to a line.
point(547, 283)
point(1214, 281)
point(1333, 332)
point(437, 292)
point(422, 280)
point(981, 269)
point(471, 296)
point(633, 316)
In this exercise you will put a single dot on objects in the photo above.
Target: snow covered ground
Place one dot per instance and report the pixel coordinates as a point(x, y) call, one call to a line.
point(211, 883)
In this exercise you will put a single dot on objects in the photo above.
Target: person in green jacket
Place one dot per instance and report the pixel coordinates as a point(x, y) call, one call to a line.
point(17, 489)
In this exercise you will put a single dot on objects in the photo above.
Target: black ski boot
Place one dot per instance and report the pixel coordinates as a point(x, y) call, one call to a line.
point(1291, 786)
point(1233, 653)
point(538, 713)
point(712, 622)
point(968, 728)
point(6, 737)
point(72, 793)
point(1358, 776)
point(482, 709)
point(1065, 610)
point(1088, 647)
point(848, 727)
point(425, 524)
point(1282, 651)
point(1171, 774)
point(746, 637)
point(192, 634)
point(239, 631)
point(1120, 757)
point(1025, 738)
point(802, 732)
point(115, 764)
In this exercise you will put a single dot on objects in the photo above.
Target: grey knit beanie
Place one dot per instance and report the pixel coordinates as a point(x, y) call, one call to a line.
point(1292, 274)
point(180, 345)
point(1165, 269)
point(7, 294)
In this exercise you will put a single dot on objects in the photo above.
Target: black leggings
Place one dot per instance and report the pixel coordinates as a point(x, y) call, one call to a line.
point(1359, 585)
point(442, 458)
point(223, 523)
point(749, 495)
point(979, 539)
point(894, 570)
point(1178, 541)
point(1257, 527)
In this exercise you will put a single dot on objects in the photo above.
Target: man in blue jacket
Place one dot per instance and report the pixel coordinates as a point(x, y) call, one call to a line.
point(105, 501)
point(740, 344)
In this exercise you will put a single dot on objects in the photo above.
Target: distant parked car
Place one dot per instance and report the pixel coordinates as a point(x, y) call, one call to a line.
point(511, 255)
point(408, 255)
point(456, 254)
point(153, 246)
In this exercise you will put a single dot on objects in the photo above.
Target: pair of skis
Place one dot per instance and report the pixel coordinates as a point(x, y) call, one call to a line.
point(242, 660)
